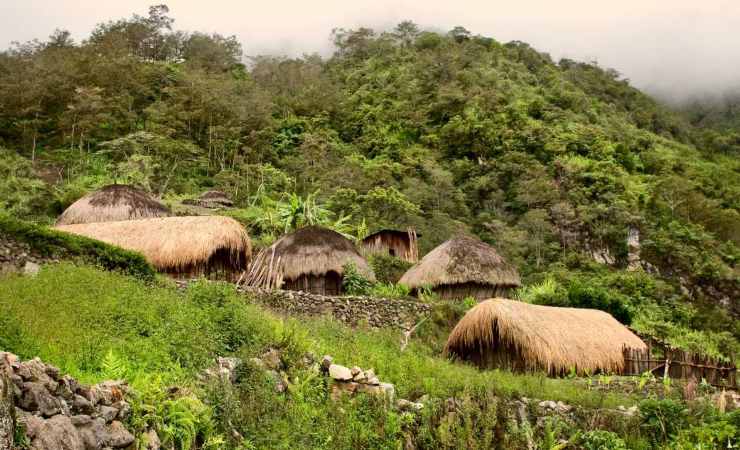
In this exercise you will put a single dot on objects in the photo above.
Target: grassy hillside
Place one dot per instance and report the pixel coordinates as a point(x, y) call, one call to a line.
point(100, 325)
point(554, 163)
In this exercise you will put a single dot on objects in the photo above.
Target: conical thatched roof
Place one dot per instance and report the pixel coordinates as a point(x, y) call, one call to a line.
point(176, 244)
point(307, 251)
point(113, 203)
point(462, 259)
point(544, 338)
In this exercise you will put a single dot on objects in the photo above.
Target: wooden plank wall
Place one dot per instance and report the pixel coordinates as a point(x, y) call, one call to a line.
point(676, 363)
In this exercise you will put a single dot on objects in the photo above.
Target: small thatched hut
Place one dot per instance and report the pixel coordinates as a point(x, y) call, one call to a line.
point(180, 246)
point(463, 267)
point(311, 259)
point(524, 337)
point(401, 244)
point(211, 200)
point(113, 203)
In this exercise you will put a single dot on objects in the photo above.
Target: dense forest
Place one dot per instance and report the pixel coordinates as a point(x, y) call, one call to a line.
point(600, 195)
point(554, 163)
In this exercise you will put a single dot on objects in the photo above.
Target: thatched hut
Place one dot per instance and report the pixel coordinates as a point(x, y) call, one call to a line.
point(401, 244)
point(180, 246)
point(211, 200)
point(311, 259)
point(500, 333)
point(463, 267)
point(113, 203)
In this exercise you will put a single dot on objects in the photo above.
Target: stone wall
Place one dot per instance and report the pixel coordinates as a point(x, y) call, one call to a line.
point(352, 310)
point(57, 412)
point(17, 256)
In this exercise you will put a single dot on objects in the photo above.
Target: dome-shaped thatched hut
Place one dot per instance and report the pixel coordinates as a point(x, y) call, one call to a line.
point(310, 259)
point(463, 267)
point(113, 203)
point(214, 246)
point(500, 333)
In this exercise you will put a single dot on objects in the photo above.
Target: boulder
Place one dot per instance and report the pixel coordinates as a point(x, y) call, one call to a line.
point(56, 433)
point(151, 440)
point(118, 436)
point(340, 373)
point(36, 397)
point(31, 269)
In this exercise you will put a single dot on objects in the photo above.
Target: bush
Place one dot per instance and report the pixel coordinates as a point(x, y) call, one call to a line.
point(581, 295)
point(353, 282)
point(54, 243)
point(601, 440)
point(388, 269)
point(661, 419)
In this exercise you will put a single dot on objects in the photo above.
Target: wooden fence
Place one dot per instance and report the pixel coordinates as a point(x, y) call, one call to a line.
point(665, 361)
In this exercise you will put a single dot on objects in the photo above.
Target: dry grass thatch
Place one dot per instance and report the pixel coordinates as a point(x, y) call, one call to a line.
point(462, 259)
point(309, 251)
point(183, 245)
point(113, 203)
point(521, 336)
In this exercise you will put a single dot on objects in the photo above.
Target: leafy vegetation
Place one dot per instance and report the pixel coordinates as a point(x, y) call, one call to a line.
point(99, 325)
point(52, 243)
point(556, 163)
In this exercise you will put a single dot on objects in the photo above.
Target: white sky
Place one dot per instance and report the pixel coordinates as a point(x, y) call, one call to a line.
point(673, 46)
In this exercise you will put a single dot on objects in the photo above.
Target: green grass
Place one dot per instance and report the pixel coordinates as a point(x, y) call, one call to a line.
point(97, 324)
point(74, 316)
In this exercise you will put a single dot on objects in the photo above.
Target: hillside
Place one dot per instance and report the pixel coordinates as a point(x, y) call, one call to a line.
point(599, 195)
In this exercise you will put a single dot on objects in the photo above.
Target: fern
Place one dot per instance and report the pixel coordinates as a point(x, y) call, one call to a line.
point(114, 366)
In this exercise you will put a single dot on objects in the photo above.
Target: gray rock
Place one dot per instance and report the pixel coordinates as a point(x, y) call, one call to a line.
point(272, 360)
point(92, 431)
point(56, 433)
point(36, 397)
point(124, 410)
point(151, 440)
point(355, 370)
point(406, 405)
point(118, 436)
point(31, 269)
point(107, 413)
point(82, 405)
point(340, 373)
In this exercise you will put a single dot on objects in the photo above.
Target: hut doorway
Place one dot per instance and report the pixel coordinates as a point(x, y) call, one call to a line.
point(329, 283)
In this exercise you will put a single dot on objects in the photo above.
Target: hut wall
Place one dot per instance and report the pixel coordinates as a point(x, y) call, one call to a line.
point(223, 264)
point(476, 290)
point(393, 244)
point(326, 284)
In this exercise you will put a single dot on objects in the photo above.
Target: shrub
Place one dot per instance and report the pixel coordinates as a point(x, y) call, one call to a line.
point(388, 269)
point(390, 290)
point(353, 282)
point(601, 440)
point(662, 418)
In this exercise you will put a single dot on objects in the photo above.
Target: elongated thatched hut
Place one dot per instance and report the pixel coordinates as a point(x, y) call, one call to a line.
point(180, 246)
point(463, 267)
point(311, 259)
point(113, 203)
point(401, 244)
point(523, 337)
